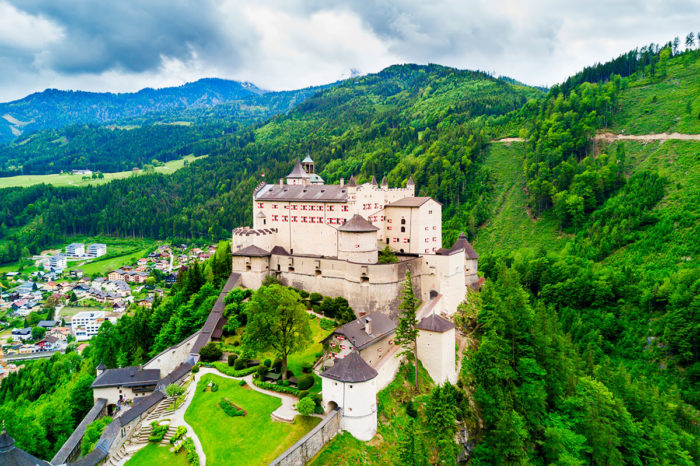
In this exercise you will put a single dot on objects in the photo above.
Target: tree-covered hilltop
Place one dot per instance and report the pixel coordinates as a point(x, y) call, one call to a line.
point(124, 144)
point(405, 121)
point(54, 108)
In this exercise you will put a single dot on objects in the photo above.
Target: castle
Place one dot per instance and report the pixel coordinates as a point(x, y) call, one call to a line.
point(326, 239)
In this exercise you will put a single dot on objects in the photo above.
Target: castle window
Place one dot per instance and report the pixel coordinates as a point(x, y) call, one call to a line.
point(275, 218)
point(330, 208)
point(303, 207)
point(264, 222)
point(388, 220)
point(284, 218)
point(403, 229)
point(396, 240)
point(426, 228)
point(403, 221)
point(387, 241)
point(274, 206)
point(389, 227)
point(260, 205)
point(430, 212)
point(434, 238)
point(294, 207)
point(294, 219)
point(434, 227)
point(427, 240)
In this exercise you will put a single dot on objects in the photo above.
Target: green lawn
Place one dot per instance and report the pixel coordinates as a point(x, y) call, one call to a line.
point(67, 179)
point(153, 454)
point(510, 226)
point(252, 439)
point(106, 264)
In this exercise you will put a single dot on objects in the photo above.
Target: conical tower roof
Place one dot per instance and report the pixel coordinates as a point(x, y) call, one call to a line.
point(385, 183)
point(351, 181)
point(101, 366)
point(357, 224)
point(374, 181)
point(298, 171)
point(351, 369)
point(410, 181)
point(462, 243)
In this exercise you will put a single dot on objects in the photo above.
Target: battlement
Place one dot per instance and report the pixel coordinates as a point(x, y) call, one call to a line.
point(247, 231)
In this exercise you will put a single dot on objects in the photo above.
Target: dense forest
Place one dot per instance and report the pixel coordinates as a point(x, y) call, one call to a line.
point(585, 353)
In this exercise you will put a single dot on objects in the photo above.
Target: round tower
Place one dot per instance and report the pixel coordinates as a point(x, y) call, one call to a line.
point(351, 386)
point(357, 241)
point(436, 348)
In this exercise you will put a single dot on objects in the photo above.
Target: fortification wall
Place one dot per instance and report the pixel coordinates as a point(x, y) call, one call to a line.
point(301, 452)
point(172, 357)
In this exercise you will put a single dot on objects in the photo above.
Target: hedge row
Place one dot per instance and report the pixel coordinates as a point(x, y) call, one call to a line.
point(228, 370)
point(277, 388)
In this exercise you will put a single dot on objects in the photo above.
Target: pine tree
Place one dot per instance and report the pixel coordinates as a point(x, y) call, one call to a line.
point(411, 447)
point(440, 416)
point(407, 331)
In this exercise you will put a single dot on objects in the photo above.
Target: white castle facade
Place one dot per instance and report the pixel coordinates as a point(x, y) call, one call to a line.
point(326, 238)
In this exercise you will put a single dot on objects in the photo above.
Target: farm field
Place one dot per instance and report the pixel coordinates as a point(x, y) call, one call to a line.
point(67, 179)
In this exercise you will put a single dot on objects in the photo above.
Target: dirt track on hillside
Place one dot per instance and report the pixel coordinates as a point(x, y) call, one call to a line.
point(628, 137)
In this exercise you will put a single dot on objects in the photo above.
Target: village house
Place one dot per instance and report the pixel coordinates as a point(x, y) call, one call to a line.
point(126, 383)
point(96, 250)
point(75, 250)
point(22, 334)
point(115, 275)
point(86, 324)
point(58, 262)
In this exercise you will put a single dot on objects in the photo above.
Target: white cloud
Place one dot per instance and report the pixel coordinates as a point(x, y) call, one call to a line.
point(278, 44)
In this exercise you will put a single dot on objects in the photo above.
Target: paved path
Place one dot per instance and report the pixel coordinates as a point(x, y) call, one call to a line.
point(287, 412)
point(628, 137)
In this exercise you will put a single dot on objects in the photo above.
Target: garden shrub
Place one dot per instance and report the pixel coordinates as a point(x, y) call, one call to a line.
point(262, 370)
point(174, 390)
point(232, 359)
point(214, 387)
point(195, 369)
point(315, 298)
point(303, 393)
point(210, 352)
point(192, 456)
point(277, 365)
point(242, 383)
point(179, 432)
point(306, 406)
point(240, 364)
point(158, 432)
point(228, 370)
point(328, 324)
point(307, 367)
point(230, 408)
point(305, 382)
point(267, 362)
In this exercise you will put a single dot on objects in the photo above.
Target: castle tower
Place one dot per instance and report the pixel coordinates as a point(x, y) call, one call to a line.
point(471, 260)
point(436, 348)
point(308, 165)
point(357, 241)
point(100, 368)
point(351, 385)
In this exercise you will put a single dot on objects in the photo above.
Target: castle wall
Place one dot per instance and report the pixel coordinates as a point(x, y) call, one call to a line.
point(436, 352)
point(367, 288)
point(252, 269)
point(447, 278)
point(171, 358)
point(306, 448)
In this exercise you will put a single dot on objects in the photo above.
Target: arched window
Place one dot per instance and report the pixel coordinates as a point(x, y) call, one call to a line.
point(403, 229)
point(403, 221)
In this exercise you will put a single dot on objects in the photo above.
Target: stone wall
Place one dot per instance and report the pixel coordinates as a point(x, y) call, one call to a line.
point(301, 452)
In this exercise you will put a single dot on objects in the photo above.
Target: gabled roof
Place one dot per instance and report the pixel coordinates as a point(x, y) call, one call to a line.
point(127, 377)
point(460, 244)
point(357, 224)
point(435, 323)
point(251, 251)
point(298, 171)
point(410, 202)
point(352, 368)
point(355, 331)
point(301, 193)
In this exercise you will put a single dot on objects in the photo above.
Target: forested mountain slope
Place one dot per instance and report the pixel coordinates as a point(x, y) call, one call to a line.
point(405, 121)
point(161, 135)
point(53, 108)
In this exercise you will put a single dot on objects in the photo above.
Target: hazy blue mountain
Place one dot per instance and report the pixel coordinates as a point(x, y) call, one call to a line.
point(54, 108)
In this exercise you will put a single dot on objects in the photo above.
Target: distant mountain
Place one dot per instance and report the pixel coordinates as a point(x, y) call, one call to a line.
point(54, 108)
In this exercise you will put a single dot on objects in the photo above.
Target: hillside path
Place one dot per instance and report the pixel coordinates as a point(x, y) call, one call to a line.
point(607, 136)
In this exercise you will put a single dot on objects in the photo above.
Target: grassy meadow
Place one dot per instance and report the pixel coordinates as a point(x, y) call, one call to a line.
point(67, 179)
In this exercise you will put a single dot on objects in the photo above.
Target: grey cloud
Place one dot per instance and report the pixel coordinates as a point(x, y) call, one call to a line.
point(133, 35)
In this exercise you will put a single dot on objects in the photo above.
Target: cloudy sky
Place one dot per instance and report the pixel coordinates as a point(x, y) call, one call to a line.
point(125, 45)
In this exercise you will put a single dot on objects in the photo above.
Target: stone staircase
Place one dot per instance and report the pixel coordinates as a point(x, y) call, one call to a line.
point(119, 457)
point(160, 408)
point(168, 435)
